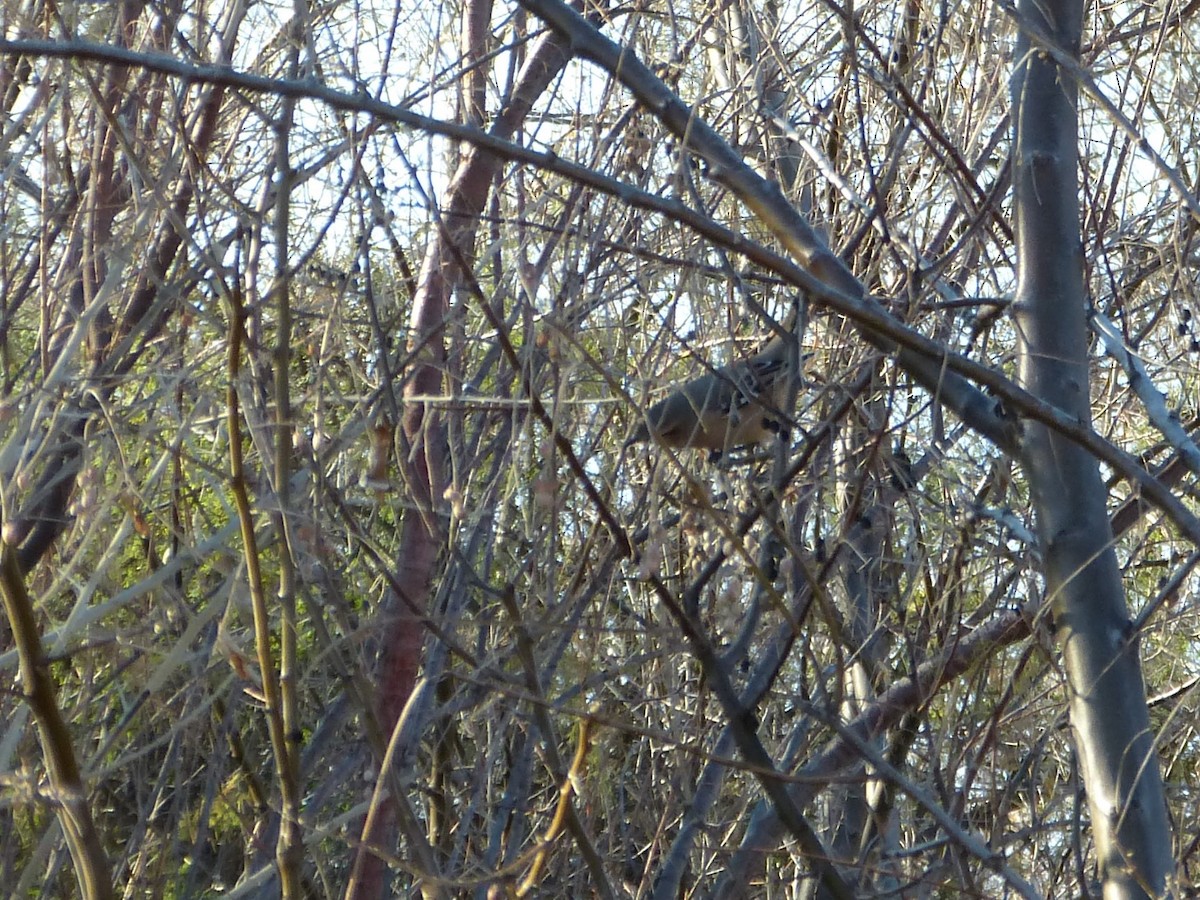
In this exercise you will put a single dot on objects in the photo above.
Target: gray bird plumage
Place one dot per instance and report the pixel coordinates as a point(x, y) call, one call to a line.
point(741, 403)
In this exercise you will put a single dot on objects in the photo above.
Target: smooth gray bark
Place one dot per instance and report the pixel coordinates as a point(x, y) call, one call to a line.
point(1107, 695)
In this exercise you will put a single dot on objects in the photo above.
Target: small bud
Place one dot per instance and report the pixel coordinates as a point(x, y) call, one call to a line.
point(454, 497)
point(376, 475)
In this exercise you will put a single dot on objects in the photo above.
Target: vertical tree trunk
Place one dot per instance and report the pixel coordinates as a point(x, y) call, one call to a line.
point(422, 536)
point(1107, 696)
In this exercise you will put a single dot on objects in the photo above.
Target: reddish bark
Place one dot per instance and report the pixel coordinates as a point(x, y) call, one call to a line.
point(422, 534)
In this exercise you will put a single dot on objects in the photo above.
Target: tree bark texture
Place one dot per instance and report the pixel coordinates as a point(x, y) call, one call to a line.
point(422, 538)
point(1083, 581)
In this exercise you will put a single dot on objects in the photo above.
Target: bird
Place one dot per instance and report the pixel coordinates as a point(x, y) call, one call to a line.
point(738, 404)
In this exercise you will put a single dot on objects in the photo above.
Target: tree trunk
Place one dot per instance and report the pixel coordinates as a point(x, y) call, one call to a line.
point(422, 537)
point(1083, 581)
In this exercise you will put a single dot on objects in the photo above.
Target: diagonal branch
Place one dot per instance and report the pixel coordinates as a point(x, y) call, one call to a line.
point(828, 279)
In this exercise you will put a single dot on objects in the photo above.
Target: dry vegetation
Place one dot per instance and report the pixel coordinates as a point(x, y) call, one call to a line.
point(207, 344)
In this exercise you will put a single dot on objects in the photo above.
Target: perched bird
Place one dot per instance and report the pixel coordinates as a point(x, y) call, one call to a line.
point(741, 403)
